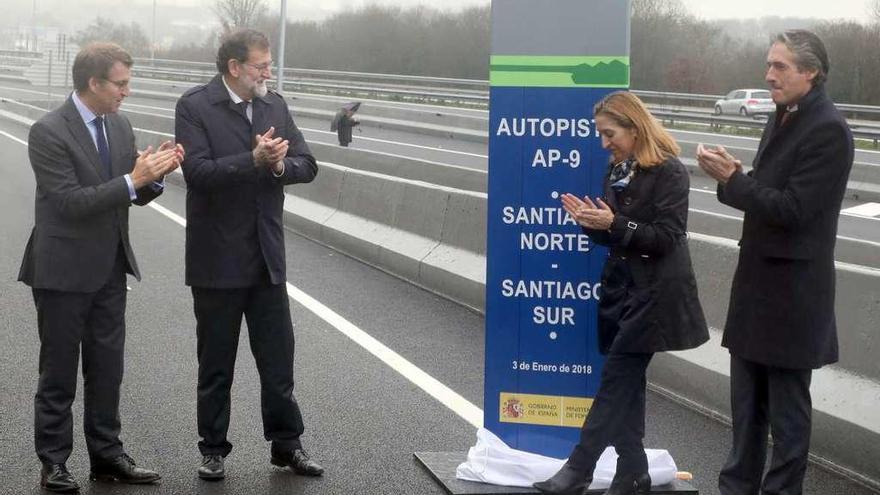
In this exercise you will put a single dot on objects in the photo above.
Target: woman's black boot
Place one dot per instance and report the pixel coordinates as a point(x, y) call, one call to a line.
point(567, 481)
point(630, 484)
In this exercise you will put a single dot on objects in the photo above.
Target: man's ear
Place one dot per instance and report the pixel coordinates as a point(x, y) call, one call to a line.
point(94, 82)
point(233, 67)
point(811, 74)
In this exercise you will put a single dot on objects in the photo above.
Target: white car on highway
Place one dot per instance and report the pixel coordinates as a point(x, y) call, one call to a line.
point(746, 102)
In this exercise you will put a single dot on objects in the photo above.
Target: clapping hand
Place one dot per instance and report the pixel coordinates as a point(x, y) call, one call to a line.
point(270, 151)
point(718, 163)
point(152, 165)
point(178, 148)
point(596, 216)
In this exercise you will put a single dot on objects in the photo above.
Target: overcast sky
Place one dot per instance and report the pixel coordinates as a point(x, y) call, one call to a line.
point(190, 17)
point(707, 9)
point(744, 9)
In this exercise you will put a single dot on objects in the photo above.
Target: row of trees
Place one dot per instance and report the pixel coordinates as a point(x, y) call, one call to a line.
point(673, 51)
point(670, 51)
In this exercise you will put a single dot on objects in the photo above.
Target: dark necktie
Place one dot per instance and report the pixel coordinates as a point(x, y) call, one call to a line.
point(785, 118)
point(244, 107)
point(103, 149)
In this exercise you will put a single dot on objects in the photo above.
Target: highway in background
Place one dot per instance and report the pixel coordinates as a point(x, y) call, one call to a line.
point(858, 234)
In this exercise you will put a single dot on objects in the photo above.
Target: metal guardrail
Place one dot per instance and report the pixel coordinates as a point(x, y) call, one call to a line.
point(294, 78)
point(21, 53)
point(480, 88)
point(335, 74)
point(422, 88)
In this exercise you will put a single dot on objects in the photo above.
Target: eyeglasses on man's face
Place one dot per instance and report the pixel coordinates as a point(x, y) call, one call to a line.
point(123, 84)
point(260, 67)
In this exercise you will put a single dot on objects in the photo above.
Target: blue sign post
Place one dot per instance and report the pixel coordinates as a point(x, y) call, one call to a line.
point(551, 61)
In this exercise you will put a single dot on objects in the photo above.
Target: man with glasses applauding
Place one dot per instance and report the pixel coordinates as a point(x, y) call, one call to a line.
point(88, 173)
point(243, 148)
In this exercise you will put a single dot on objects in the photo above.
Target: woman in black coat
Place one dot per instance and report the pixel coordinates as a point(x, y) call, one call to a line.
point(649, 297)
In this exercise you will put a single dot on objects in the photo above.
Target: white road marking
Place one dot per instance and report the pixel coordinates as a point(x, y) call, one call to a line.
point(433, 387)
point(10, 136)
point(865, 210)
point(446, 396)
point(715, 214)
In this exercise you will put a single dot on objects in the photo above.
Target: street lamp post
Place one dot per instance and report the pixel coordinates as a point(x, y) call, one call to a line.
point(153, 40)
point(280, 78)
point(34, 28)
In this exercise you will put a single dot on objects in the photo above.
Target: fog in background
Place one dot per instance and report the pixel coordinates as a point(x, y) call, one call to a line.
point(189, 20)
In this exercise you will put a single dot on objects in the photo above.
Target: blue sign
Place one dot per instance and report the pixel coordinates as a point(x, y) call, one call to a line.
point(543, 273)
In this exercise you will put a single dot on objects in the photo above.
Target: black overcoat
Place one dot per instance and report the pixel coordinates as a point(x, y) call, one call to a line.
point(782, 300)
point(234, 230)
point(649, 300)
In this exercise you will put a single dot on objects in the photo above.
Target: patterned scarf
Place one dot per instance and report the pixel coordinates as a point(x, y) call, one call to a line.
point(622, 173)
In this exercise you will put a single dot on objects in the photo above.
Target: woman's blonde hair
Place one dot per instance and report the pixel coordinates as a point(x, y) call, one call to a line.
point(654, 144)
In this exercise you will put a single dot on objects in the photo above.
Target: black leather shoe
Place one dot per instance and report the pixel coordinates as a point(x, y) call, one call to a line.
point(567, 481)
point(56, 478)
point(123, 470)
point(297, 460)
point(630, 484)
point(212, 468)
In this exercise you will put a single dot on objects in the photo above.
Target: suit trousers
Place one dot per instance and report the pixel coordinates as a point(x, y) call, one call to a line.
point(93, 322)
point(761, 398)
point(270, 330)
point(617, 417)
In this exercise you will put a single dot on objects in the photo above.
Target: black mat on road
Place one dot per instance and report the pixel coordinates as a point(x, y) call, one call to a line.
point(441, 466)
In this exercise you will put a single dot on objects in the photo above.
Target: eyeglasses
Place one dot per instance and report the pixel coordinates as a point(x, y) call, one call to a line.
point(119, 84)
point(260, 68)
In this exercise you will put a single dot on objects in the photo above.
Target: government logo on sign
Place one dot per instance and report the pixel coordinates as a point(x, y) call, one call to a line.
point(512, 408)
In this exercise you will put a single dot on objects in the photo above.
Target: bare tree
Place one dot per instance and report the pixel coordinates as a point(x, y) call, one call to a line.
point(129, 36)
point(658, 8)
point(239, 13)
point(874, 10)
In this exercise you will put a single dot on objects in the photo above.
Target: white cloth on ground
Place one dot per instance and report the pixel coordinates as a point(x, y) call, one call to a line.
point(492, 461)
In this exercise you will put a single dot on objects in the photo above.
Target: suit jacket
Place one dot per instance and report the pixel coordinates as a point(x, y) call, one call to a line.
point(649, 300)
point(234, 231)
point(80, 214)
point(782, 300)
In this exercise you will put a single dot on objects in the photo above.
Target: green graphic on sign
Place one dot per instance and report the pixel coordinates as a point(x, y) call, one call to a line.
point(559, 71)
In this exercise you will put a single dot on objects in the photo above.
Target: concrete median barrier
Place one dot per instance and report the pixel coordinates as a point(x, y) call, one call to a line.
point(404, 167)
point(426, 234)
point(436, 115)
point(458, 265)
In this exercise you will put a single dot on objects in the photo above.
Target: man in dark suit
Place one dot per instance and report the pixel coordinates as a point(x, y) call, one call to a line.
point(242, 149)
point(88, 172)
point(780, 323)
